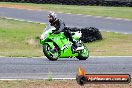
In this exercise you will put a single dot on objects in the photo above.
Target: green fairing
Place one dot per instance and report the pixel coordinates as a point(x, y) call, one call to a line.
point(60, 40)
point(64, 45)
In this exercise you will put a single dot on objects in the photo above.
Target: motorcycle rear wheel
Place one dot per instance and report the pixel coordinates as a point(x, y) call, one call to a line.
point(83, 54)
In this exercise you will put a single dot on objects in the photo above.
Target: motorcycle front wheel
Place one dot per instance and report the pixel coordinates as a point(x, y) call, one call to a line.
point(51, 54)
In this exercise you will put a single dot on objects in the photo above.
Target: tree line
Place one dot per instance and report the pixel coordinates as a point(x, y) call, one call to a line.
point(78, 2)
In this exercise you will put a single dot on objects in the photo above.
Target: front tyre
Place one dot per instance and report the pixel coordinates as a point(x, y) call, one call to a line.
point(51, 54)
point(83, 54)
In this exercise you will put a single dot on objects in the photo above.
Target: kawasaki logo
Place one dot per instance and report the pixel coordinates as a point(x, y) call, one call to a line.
point(66, 46)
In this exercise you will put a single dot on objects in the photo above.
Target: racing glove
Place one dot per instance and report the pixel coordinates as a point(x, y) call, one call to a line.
point(56, 32)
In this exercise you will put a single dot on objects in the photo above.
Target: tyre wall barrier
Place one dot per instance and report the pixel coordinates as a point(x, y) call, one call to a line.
point(89, 34)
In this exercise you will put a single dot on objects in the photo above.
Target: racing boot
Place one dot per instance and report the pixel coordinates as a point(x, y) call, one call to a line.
point(77, 47)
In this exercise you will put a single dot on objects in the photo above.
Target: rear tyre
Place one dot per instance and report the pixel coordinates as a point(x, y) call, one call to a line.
point(49, 53)
point(83, 54)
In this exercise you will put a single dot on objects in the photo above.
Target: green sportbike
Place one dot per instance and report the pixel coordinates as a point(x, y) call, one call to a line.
point(58, 46)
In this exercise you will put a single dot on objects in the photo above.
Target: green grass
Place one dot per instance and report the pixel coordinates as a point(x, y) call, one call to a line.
point(19, 39)
point(113, 44)
point(56, 84)
point(117, 12)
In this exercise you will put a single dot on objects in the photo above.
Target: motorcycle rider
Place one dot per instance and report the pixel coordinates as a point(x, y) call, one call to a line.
point(60, 27)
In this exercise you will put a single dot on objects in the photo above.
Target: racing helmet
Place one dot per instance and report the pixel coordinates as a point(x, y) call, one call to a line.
point(52, 14)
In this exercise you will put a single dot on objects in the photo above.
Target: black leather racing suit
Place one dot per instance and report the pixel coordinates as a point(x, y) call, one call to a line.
point(60, 27)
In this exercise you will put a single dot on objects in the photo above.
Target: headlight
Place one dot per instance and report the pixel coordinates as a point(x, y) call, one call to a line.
point(43, 36)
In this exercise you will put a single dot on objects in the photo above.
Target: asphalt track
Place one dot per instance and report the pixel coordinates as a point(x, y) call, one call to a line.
point(72, 20)
point(42, 68)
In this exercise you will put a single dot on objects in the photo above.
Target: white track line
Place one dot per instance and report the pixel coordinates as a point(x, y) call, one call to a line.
point(22, 20)
point(109, 56)
point(43, 79)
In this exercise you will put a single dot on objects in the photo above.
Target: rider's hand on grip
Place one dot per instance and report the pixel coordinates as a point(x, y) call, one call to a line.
point(55, 32)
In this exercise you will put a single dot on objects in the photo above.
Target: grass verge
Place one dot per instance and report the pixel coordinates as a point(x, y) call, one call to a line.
point(116, 12)
point(113, 44)
point(56, 84)
point(19, 39)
